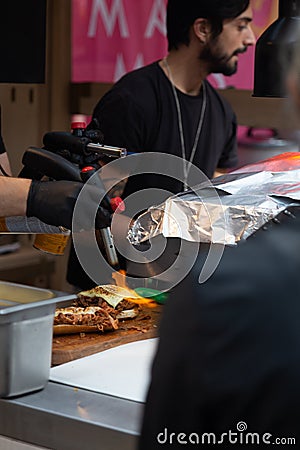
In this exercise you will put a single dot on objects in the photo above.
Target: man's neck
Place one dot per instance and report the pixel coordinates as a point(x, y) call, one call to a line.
point(184, 70)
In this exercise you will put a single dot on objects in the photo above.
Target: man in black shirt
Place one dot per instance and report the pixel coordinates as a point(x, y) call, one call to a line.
point(170, 107)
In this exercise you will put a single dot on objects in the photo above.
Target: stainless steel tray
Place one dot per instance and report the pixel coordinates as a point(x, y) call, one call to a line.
point(16, 297)
point(26, 329)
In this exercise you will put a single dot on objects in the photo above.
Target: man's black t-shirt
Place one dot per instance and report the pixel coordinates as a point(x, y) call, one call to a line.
point(139, 113)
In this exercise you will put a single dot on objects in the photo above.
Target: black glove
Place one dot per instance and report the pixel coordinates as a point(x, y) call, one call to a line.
point(53, 202)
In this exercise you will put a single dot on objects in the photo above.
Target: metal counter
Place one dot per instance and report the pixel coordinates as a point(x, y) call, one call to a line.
point(61, 417)
point(253, 149)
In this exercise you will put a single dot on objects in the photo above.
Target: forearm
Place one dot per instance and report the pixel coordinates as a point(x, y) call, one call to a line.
point(13, 196)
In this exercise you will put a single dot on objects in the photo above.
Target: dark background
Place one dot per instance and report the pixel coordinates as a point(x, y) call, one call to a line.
point(22, 41)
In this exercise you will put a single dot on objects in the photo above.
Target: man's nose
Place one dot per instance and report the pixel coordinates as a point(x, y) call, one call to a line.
point(250, 38)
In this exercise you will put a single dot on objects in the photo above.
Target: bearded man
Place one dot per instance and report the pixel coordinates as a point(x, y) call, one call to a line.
point(170, 107)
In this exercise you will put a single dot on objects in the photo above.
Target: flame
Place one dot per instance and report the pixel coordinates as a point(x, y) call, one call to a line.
point(120, 280)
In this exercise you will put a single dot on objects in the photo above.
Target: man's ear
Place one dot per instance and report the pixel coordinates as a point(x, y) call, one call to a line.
point(202, 29)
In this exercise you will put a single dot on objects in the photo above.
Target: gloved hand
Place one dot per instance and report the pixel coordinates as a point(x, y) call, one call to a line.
point(53, 202)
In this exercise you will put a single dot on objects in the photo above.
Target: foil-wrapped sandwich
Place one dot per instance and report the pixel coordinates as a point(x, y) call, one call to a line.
point(228, 209)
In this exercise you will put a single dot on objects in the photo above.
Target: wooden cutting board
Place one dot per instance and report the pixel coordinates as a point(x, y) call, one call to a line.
point(66, 348)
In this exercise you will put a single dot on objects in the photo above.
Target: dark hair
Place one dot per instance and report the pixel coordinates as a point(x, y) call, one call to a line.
point(181, 14)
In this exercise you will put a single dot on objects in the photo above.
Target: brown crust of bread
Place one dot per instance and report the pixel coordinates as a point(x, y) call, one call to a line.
point(73, 329)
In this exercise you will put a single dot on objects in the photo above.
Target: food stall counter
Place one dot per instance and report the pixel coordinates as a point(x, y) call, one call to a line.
point(67, 418)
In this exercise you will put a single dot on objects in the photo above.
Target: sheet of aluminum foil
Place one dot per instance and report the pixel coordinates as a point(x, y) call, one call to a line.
point(228, 210)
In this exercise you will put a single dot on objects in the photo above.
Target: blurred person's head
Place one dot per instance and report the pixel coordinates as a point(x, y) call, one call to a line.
point(293, 77)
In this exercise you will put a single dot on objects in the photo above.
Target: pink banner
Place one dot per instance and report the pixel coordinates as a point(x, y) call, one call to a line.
point(112, 37)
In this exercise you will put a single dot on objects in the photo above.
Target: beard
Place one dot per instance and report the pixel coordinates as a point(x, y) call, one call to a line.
point(219, 61)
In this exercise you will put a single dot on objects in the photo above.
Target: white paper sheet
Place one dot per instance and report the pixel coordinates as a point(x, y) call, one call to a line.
point(122, 371)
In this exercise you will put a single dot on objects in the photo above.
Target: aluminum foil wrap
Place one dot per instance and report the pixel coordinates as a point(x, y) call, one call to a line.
point(224, 211)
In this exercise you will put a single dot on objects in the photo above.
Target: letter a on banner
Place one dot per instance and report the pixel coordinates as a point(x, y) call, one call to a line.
point(157, 19)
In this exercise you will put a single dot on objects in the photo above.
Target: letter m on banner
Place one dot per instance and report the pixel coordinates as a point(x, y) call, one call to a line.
point(109, 18)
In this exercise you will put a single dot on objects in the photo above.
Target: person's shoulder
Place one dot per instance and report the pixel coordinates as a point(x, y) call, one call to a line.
point(139, 79)
point(272, 250)
point(138, 90)
point(133, 98)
